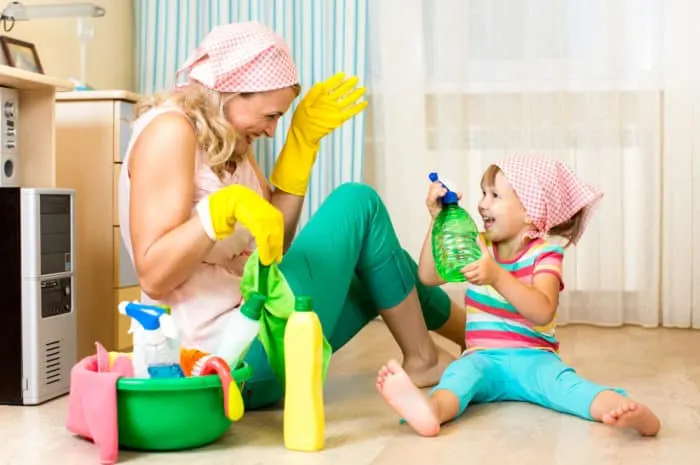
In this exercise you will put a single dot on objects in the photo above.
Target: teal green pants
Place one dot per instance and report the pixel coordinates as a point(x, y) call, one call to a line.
point(349, 261)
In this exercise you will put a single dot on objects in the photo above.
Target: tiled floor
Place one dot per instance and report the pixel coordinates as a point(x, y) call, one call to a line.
point(658, 367)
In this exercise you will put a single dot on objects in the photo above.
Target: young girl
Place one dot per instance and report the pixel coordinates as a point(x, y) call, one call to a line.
point(511, 301)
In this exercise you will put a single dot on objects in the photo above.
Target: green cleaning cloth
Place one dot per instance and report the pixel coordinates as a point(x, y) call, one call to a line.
point(270, 282)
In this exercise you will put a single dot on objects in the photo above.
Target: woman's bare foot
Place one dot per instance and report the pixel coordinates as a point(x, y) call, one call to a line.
point(427, 373)
point(399, 392)
point(633, 415)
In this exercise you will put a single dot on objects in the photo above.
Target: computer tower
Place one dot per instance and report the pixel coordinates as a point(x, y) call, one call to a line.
point(37, 293)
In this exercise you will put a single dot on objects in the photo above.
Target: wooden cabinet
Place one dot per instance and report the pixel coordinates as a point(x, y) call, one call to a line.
point(92, 135)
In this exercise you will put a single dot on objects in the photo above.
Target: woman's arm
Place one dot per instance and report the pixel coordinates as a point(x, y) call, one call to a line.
point(168, 242)
point(289, 204)
point(427, 272)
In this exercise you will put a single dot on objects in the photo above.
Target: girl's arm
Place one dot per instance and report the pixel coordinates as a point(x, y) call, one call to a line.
point(538, 303)
point(427, 272)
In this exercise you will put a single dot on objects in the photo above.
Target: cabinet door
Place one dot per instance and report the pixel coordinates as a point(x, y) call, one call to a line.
point(124, 116)
point(116, 171)
point(84, 152)
point(124, 272)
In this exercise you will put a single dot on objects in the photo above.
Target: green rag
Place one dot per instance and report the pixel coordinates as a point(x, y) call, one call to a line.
point(270, 282)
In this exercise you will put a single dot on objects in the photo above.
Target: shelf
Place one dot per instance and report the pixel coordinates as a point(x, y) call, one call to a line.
point(27, 80)
point(84, 95)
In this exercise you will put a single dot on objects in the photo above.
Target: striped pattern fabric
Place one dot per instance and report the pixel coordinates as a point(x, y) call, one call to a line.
point(324, 37)
point(492, 322)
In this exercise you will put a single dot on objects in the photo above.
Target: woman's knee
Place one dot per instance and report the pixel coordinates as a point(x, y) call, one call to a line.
point(358, 201)
point(355, 193)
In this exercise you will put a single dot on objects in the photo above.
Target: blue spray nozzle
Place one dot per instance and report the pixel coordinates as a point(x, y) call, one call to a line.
point(147, 315)
point(434, 177)
point(450, 197)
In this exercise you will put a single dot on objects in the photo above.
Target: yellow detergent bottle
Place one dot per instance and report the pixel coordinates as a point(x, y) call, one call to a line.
point(304, 416)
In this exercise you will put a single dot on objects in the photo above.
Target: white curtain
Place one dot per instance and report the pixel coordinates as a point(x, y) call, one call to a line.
point(609, 86)
point(324, 37)
point(681, 164)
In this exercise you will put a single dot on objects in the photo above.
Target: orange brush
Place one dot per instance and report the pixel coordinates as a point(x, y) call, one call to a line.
point(192, 361)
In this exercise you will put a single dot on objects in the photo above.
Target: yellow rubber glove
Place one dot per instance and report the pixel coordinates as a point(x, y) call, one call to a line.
point(325, 107)
point(219, 212)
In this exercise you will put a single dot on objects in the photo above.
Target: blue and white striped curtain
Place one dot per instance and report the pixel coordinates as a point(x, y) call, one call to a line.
point(325, 36)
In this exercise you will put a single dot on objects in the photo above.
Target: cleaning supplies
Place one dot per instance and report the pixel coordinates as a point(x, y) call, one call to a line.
point(304, 416)
point(156, 341)
point(194, 362)
point(454, 238)
point(279, 306)
point(241, 330)
point(233, 400)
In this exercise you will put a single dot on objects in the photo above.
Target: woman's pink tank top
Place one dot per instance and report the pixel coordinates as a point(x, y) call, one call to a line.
point(201, 305)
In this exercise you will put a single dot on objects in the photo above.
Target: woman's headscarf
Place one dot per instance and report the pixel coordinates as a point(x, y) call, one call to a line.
point(242, 57)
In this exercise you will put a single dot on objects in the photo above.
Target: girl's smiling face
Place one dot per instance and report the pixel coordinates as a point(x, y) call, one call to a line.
point(504, 216)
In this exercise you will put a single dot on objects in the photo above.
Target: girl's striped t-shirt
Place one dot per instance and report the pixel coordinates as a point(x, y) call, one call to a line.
point(492, 322)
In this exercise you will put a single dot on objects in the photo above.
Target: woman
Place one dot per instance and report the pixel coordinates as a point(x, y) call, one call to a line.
point(193, 203)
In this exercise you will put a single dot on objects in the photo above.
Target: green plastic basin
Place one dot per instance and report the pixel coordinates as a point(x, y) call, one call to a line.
point(173, 414)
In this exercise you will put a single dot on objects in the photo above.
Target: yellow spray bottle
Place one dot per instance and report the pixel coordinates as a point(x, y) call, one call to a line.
point(304, 416)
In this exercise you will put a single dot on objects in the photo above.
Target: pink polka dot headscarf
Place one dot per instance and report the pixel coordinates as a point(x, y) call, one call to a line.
point(242, 57)
point(550, 191)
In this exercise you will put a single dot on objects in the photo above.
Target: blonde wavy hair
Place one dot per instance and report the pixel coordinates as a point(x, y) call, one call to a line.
point(206, 109)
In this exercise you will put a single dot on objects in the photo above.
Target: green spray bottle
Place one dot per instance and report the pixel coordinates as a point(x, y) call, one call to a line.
point(454, 237)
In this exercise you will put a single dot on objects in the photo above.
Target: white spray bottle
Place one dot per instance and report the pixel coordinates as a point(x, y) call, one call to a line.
point(156, 341)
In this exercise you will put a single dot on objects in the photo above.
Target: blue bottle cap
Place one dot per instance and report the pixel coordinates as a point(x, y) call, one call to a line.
point(165, 371)
point(450, 198)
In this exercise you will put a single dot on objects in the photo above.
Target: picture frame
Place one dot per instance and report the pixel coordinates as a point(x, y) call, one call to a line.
point(21, 54)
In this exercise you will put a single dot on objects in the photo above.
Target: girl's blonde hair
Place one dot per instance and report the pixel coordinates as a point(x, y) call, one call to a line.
point(205, 109)
point(570, 230)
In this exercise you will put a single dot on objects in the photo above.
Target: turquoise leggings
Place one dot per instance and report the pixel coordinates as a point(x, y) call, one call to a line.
point(525, 375)
point(349, 260)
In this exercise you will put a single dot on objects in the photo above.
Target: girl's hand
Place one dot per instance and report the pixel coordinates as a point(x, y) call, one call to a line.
point(436, 191)
point(485, 271)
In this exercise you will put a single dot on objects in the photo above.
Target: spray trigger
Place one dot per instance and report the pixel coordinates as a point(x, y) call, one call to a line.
point(167, 325)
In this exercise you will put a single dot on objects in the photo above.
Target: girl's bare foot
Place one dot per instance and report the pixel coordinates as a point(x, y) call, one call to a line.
point(427, 373)
point(633, 415)
point(399, 392)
